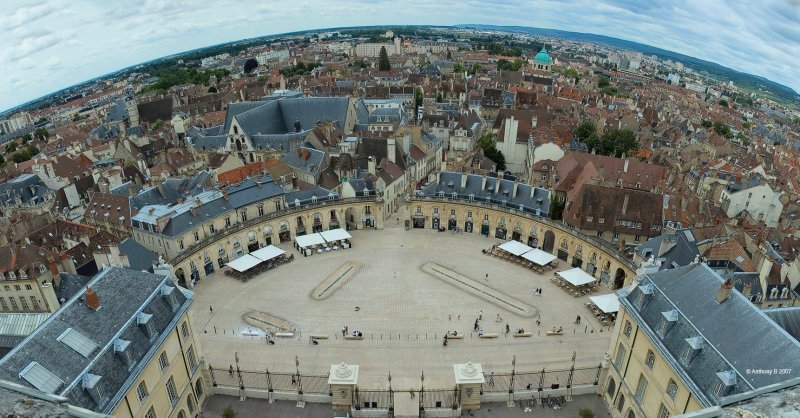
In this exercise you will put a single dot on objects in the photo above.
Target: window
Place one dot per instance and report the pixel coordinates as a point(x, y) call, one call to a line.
point(3, 304)
point(615, 235)
point(13, 303)
point(612, 387)
point(544, 177)
point(190, 403)
point(162, 361)
point(17, 288)
point(24, 303)
point(621, 402)
point(211, 228)
point(650, 360)
point(227, 222)
point(662, 411)
point(672, 389)
point(141, 391)
point(27, 287)
point(180, 244)
point(192, 359)
point(184, 329)
point(151, 413)
point(601, 220)
point(244, 216)
point(171, 391)
point(260, 210)
point(35, 302)
point(196, 236)
point(589, 218)
point(628, 329)
point(486, 217)
point(599, 234)
point(452, 212)
point(620, 356)
point(641, 388)
point(7, 288)
point(367, 210)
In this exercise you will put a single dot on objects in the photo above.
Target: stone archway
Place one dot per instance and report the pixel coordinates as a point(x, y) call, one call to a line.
point(563, 250)
point(549, 241)
point(619, 278)
point(316, 222)
point(350, 215)
point(284, 234)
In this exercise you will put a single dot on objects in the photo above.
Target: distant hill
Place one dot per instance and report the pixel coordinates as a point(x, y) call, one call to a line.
point(743, 80)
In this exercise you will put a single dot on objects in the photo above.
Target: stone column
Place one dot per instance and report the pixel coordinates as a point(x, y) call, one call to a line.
point(343, 379)
point(469, 378)
point(601, 384)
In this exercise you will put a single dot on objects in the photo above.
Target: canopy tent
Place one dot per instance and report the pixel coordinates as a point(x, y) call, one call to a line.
point(309, 240)
point(515, 247)
point(244, 263)
point(607, 303)
point(267, 253)
point(576, 276)
point(335, 235)
point(539, 257)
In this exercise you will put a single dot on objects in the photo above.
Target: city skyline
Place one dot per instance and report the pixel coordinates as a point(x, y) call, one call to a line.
point(40, 56)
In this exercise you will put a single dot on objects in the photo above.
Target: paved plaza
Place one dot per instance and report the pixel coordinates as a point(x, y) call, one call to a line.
point(403, 312)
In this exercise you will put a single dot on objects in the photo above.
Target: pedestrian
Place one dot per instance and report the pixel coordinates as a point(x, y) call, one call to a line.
point(294, 381)
point(210, 309)
point(578, 319)
point(230, 370)
point(487, 277)
point(344, 331)
point(491, 379)
point(476, 325)
point(449, 317)
point(411, 392)
point(538, 321)
point(498, 319)
point(508, 329)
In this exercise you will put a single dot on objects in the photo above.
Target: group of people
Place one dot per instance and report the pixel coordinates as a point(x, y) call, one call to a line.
point(346, 330)
point(537, 291)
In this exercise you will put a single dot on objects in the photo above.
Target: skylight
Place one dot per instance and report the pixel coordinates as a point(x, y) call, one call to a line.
point(41, 378)
point(78, 342)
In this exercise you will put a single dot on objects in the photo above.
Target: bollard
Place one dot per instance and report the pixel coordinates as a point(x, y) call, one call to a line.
point(223, 331)
point(215, 329)
point(585, 328)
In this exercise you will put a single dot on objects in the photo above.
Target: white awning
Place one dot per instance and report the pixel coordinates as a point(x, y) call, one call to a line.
point(335, 234)
point(309, 240)
point(267, 253)
point(607, 303)
point(576, 276)
point(244, 263)
point(515, 247)
point(539, 257)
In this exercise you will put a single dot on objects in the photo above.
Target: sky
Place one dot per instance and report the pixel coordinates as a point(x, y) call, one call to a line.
point(48, 45)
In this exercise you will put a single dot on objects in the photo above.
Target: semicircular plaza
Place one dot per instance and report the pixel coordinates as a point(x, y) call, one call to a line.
point(402, 312)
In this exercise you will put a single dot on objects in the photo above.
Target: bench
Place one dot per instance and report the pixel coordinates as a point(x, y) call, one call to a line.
point(455, 337)
point(524, 334)
point(319, 336)
point(353, 337)
point(554, 332)
point(284, 334)
point(488, 335)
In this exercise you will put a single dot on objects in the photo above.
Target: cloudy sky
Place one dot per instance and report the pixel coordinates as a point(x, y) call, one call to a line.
point(51, 44)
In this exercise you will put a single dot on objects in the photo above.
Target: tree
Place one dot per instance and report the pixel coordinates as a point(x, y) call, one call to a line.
point(11, 147)
point(228, 412)
point(585, 413)
point(722, 128)
point(2, 160)
point(417, 97)
point(619, 142)
point(603, 82)
point(458, 68)
point(439, 97)
point(585, 132)
point(383, 60)
point(41, 133)
point(212, 89)
point(486, 143)
point(723, 103)
point(250, 65)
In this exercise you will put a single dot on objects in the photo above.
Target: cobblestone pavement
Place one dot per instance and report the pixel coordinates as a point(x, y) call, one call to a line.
point(403, 312)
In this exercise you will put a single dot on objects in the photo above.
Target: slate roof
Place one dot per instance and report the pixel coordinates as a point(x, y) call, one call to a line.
point(736, 335)
point(305, 159)
point(117, 112)
point(520, 196)
point(139, 257)
point(123, 295)
point(680, 249)
point(787, 318)
point(71, 284)
point(28, 187)
point(304, 197)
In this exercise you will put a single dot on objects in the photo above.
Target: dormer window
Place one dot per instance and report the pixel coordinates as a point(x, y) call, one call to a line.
point(11, 275)
point(42, 268)
point(145, 321)
point(91, 382)
point(726, 382)
point(690, 350)
point(668, 319)
point(123, 350)
point(168, 292)
point(644, 293)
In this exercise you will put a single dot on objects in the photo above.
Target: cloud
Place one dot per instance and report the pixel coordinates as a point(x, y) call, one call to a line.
point(96, 37)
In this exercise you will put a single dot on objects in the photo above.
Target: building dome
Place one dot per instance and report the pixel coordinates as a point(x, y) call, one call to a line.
point(543, 57)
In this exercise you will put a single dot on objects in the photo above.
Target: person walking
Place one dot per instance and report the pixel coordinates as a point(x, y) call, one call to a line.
point(508, 329)
point(487, 277)
point(210, 309)
point(476, 327)
point(230, 370)
point(498, 319)
point(449, 317)
point(491, 379)
point(344, 331)
point(294, 381)
point(578, 320)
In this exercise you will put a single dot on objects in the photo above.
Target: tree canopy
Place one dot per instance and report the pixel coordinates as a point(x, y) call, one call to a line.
point(503, 64)
point(299, 69)
point(486, 143)
point(250, 65)
point(614, 142)
point(383, 60)
point(177, 76)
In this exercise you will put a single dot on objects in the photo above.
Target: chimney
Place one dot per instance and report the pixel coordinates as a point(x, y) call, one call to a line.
point(625, 205)
point(748, 288)
point(294, 182)
point(625, 169)
point(51, 262)
point(534, 122)
point(390, 149)
point(724, 291)
point(225, 194)
point(92, 300)
point(371, 165)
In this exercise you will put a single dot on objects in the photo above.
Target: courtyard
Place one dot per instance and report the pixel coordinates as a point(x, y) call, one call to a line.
point(403, 312)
